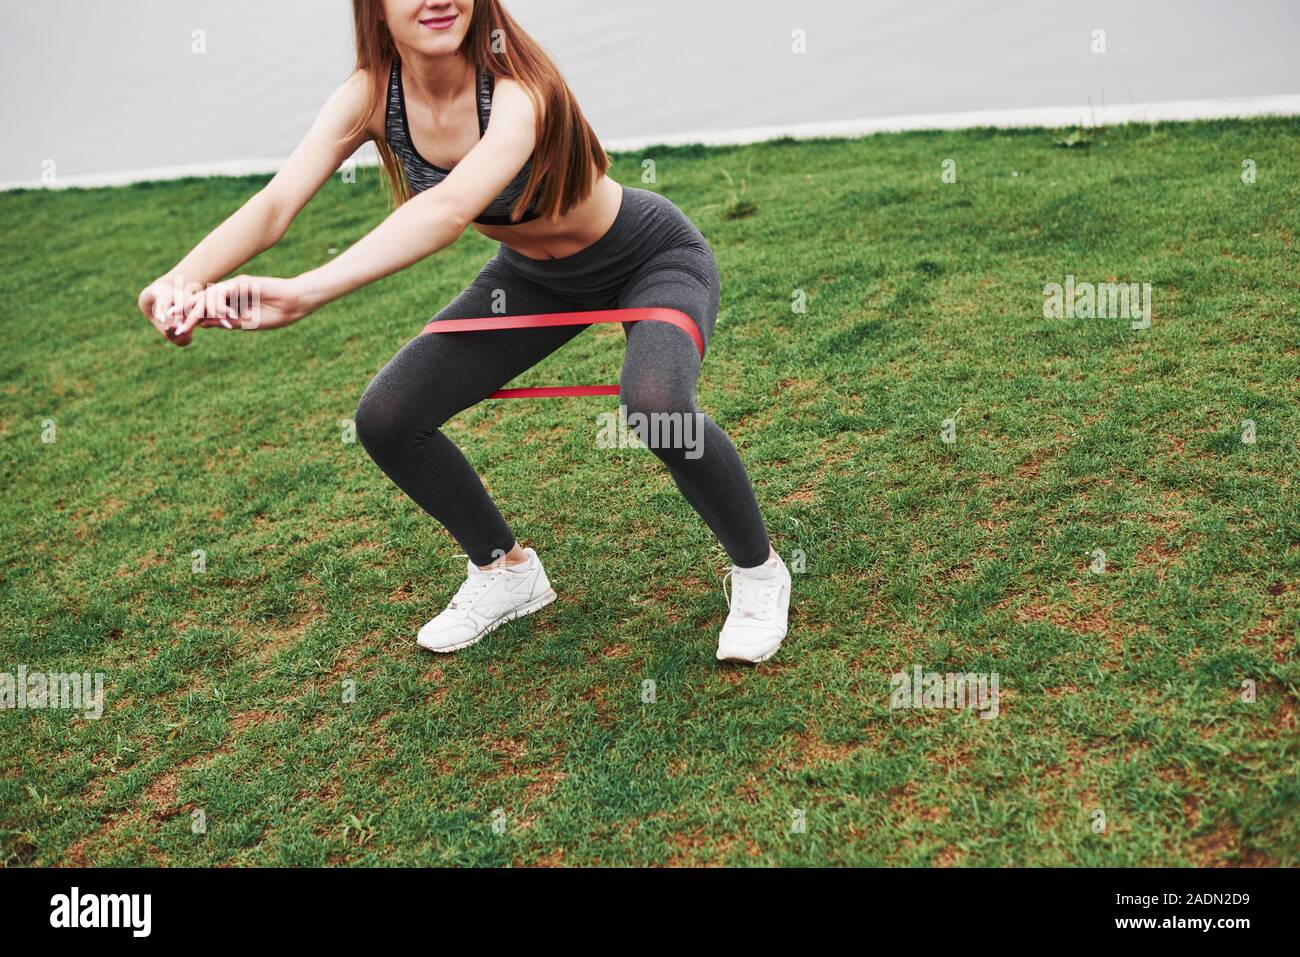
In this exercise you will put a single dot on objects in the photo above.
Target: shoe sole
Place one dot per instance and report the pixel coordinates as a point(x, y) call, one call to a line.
point(535, 605)
point(737, 658)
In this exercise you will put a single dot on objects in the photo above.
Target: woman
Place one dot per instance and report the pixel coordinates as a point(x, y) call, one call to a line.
point(474, 125)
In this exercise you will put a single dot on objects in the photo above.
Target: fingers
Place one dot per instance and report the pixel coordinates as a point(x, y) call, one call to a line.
point(175, 312)
point(232, 304)
point(155, 303)
point(190, 314)
point(171, 325)
point(208, 305)
point(165, 322)
point(241, 302)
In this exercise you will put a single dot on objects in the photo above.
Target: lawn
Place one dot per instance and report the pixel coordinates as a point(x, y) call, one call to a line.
point(1098, 534)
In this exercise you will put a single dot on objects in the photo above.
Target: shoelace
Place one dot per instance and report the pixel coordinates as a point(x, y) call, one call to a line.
point(749, 597)
point(469, 591)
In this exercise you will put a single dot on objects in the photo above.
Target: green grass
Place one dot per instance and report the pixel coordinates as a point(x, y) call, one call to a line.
point(1121, 691)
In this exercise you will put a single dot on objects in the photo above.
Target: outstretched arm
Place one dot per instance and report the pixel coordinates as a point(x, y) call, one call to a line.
point(262, 220)
point(418, 228)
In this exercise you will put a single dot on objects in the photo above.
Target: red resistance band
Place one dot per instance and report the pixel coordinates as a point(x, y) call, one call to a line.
point(673, 317)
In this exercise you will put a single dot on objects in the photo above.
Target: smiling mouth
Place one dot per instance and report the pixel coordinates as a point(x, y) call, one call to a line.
point(439, 23)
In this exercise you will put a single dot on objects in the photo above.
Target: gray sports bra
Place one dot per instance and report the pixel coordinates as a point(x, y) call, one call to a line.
point(422, 174)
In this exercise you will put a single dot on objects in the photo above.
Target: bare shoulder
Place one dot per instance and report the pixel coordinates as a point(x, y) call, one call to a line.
point(358, 84)
point(512, 97)
point(356, 97)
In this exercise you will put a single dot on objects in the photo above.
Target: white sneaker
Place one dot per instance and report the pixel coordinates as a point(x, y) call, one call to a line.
point(487, 601)
point(760, 608)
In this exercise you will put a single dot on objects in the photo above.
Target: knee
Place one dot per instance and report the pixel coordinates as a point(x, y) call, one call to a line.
point(662, 416)
point(383, 425)
point(649, 395)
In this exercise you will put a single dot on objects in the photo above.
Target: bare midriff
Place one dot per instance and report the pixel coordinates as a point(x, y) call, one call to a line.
point(575, 231)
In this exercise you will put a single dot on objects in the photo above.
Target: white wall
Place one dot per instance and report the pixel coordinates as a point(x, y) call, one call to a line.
point(105, 85)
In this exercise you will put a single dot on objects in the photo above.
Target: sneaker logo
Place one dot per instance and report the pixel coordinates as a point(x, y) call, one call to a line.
point(517, 588)
point(491, 613)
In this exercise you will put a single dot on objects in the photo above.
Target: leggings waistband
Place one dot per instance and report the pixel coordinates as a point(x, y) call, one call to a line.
point(647, 223)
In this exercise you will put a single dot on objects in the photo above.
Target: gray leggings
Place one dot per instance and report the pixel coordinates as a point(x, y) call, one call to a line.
point(652, 255)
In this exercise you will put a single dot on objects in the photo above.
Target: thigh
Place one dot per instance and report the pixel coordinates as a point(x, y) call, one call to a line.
point(684, 278)
point(442, 373)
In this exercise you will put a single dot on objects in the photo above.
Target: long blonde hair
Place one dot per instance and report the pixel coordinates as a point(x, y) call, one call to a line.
point(568, 160)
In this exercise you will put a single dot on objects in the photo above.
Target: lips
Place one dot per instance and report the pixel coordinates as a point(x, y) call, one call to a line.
point(439, 23)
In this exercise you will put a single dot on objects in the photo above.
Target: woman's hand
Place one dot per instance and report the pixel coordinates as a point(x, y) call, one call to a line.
point(245, 302)
point(158, 302)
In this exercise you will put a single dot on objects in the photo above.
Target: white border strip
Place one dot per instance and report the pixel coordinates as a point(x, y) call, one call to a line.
point(1052, 117)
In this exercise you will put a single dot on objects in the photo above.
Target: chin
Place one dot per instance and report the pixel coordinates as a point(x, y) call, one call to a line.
point(436, 44)
point(438, 47)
